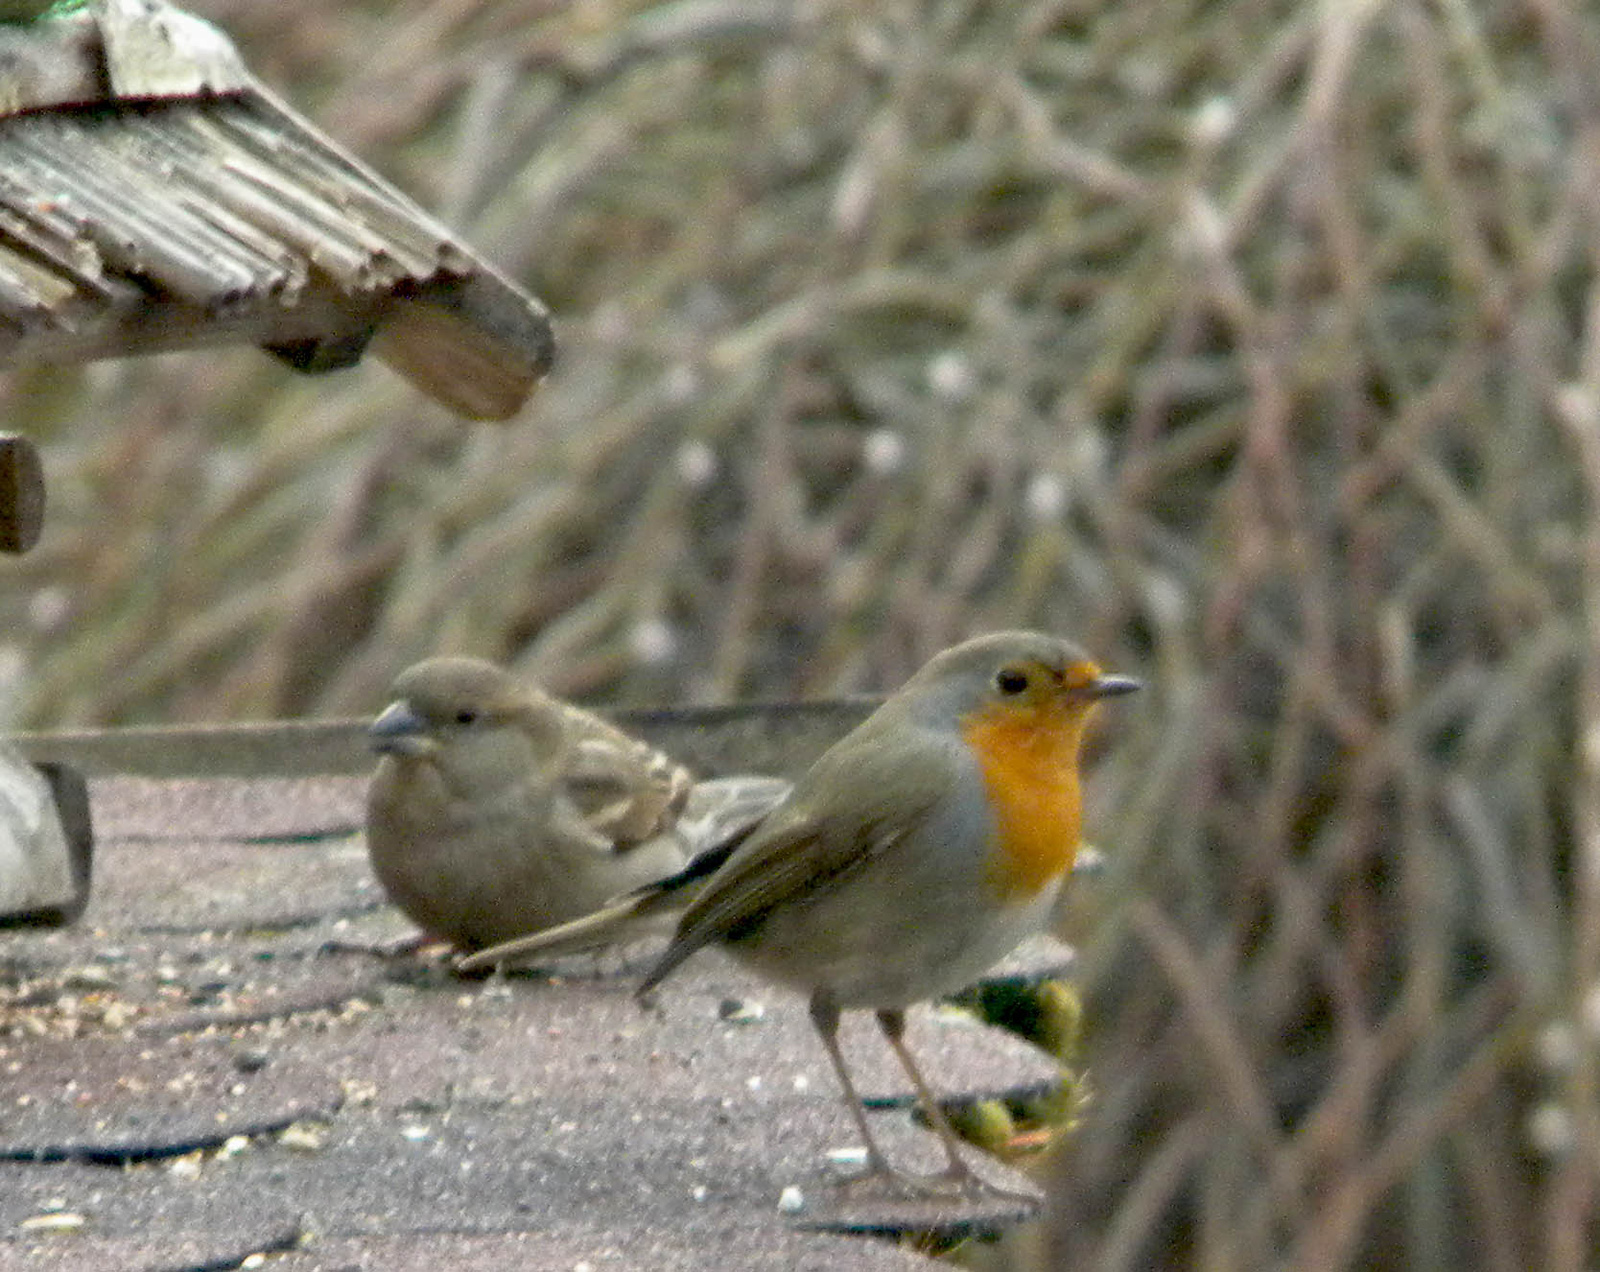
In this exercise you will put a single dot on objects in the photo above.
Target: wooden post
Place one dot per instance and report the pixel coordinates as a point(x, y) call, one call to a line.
point(21, 494)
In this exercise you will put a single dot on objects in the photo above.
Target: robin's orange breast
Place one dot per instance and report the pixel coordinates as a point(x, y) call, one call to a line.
point(1028, 755)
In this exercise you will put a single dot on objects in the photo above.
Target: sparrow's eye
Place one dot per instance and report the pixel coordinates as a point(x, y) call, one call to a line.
point(466, 716)
point(1011, 681)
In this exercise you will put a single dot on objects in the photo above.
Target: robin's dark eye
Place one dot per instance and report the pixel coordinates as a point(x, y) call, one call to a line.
point(466, 716)
point(1009, 680)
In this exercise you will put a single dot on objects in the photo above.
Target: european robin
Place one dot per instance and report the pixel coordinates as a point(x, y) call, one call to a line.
point(498, 810)
point(916, 853)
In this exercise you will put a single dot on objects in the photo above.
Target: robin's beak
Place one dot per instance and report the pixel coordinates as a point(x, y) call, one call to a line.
point(400, 731)
point(1108, 686)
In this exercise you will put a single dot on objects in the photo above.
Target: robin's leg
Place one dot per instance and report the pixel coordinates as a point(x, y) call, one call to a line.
point(825, 1017)
point(893, 1023)
point(956, 1172)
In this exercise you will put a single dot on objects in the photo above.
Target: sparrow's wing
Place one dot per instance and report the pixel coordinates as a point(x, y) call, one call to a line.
point(623, 788)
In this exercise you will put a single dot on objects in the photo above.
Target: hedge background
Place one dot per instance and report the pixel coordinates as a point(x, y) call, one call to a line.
point(1257, 344)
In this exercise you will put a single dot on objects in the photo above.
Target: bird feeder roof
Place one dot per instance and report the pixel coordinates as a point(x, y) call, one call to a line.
point(155, 196)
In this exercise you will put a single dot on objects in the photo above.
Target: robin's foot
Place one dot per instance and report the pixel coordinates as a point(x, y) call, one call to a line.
point(962, 1181)
point(887, 1183)
point(882, 1181)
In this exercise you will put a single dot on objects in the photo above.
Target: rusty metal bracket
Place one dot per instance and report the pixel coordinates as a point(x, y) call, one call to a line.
point(46, 843)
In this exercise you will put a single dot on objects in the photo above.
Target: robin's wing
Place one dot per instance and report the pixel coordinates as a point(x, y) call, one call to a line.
point(847, 810)
point(624, 789)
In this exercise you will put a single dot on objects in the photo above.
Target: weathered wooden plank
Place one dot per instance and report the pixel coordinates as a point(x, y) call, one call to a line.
point(781, 738)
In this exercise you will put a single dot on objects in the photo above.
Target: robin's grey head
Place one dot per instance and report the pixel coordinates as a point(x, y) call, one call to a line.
point(1016, 668)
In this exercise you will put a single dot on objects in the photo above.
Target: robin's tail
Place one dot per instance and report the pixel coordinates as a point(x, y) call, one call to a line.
point(642, 912)
point(632, 917)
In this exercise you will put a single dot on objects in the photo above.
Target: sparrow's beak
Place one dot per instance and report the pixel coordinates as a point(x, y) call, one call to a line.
point(400, 731)
point(1107, 686)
